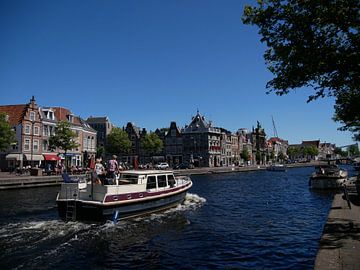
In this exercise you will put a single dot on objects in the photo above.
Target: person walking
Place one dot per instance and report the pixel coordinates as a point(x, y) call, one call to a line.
point(100, 172)
point(113, 167)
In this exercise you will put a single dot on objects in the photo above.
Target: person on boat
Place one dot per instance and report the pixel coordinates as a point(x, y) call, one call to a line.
point(100, 172)
point(113, 167)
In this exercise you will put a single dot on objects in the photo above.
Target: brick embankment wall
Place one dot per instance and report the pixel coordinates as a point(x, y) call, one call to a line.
point(340, 243)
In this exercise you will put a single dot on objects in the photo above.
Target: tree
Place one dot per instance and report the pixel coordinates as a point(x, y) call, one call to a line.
point(353, 150)
point(245, 155)
point(293, 152)
point(118, 141)
point(7, 134)
point(347, 112)
point(313, 43)
point(151, 143)
point(281, 156)
point(310, 151)
point(64, 138)
point(100, 151)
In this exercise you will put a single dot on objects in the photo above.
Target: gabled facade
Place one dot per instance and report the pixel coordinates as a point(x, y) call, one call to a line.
point(278, 146)
point(86, 137)
point(202, 143)
point(327, 151)
point(258, 140)
point(134, 134)
point(173, 145)
point(26, 121)
point(103, 127)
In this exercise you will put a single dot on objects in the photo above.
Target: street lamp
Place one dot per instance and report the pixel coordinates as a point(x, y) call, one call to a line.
point(32, 143)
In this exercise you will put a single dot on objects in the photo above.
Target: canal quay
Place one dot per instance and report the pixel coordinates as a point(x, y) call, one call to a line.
point(239, 220)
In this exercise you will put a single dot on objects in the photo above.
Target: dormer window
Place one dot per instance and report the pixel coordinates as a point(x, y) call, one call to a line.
point(50, 115)
point(70, 118)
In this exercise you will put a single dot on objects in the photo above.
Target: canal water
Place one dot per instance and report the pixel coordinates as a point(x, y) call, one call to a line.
point(253, 220)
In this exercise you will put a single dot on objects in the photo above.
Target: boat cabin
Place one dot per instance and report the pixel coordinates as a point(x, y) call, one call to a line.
point(140, 182)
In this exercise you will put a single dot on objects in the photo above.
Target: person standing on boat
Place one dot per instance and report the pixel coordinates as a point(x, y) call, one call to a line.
point(100, 171)
point(113, 167)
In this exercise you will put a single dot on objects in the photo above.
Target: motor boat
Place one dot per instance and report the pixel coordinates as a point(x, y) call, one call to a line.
point(328, 176)
point(276, 168)
point(134, 193)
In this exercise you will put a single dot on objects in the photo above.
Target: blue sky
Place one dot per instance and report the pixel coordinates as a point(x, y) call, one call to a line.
point(151, 62)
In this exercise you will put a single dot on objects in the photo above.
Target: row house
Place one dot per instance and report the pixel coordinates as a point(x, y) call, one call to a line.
point(173, 145)
point(245, 145)
point(259, 149)
point(34, 125)
point(278, 145)
point(201, 143)
point(135, 134)
point(226, 149)
point(25, 119)
point(86, 137)
point(103, 127)
point(326, 151)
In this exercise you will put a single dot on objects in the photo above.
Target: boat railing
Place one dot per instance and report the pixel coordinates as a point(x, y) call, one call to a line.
point(182, 180)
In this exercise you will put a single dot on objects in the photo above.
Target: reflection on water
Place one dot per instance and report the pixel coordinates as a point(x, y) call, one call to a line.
point(238, 220)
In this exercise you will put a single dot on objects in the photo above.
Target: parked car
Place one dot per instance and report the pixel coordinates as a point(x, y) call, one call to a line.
point(162, 166)
point(184, 166)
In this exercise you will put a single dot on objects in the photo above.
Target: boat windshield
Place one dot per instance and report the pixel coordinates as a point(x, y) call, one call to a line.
point(129, 178)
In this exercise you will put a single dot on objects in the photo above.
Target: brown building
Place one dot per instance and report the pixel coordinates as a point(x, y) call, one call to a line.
point(33, 126)
point(173, 145)
point(26, 121)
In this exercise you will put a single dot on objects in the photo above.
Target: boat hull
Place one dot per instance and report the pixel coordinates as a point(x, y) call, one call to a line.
point(87, 210)
point(326, 182)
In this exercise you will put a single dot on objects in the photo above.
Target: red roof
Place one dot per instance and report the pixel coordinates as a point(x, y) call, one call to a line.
point(61, 114)
point(15, 112)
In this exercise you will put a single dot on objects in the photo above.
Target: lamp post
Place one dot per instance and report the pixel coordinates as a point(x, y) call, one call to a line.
point(32, 143)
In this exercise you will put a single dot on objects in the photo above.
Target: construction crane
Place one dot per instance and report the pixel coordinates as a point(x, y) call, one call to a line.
point(274, 127)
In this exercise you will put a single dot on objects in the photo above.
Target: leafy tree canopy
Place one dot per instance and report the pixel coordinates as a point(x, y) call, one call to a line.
point(151, 143)
point(353, 150)
point(7, 134)
point(245, 155)
point(64, 138)
point(118, 141)
point(313, 43)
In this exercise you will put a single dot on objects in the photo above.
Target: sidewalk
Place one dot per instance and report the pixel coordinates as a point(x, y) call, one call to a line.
point(11, 181)
point(340, 244)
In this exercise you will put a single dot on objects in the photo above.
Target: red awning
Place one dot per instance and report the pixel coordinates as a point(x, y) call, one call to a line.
point(51, 157)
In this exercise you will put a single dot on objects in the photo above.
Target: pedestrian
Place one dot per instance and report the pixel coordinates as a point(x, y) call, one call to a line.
point(113, 167)
point(100, 172)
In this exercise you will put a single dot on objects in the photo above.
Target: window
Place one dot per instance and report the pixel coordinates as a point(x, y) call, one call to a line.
point(70, 118)
point(32, 116)
point(36, 145)
point(161, 180)
point(27, 144)
point(171, 180)
point(84, 142)
point(46, 130)
point(51, 115)
point(27, 129)
point(151, 182)
point(36, 130)
point(130, 178)
point(45, 145)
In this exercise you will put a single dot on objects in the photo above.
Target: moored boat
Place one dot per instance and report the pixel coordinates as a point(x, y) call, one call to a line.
point(328, 177)
point(276, 168)
point(135, 193)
